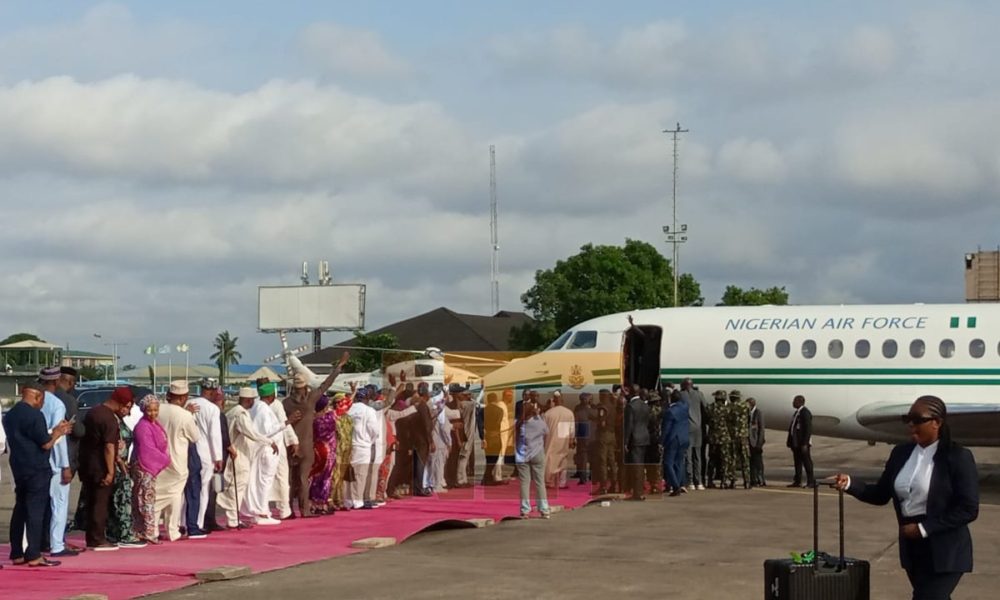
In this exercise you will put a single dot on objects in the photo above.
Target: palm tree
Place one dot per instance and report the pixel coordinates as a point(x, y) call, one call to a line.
point(225, 354)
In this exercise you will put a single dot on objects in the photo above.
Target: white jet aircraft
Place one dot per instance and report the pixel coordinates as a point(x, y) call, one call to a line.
point(859, 367)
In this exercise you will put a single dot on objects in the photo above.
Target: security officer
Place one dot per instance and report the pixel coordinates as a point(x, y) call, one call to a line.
point(604, 459)
point(584, 416)
point(738, 426)
point(720, 442)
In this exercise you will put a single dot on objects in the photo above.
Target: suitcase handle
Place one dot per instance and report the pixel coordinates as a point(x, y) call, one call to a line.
point(840, 511)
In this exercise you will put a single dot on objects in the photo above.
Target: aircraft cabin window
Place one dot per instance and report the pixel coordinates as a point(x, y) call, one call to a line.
point(809, 348)
point(977, 348)
point(782, 349)
point(917, 348)
point(731, 349)
point(756, 349)
point(560, 341)
point(889, 348)
point(947, 348)
point(835, 349)
point(862, 349)
point(582, 340)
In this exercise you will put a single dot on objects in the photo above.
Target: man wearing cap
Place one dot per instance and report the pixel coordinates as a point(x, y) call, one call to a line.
point(218, 398)
point(54, 411)
point(366, 431)
point(98, 456)
point(560, 441)
point(469, 436)
point(264, 465)
point(204, 459)
point(738, 426)
point(30, 442)
point(583, 414)
point(247, 442)
point(288, 447)
point(303, 401)
point(66, 391)
point(182, 434)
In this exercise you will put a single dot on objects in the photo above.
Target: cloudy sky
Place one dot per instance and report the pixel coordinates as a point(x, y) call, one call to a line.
point(159, 161)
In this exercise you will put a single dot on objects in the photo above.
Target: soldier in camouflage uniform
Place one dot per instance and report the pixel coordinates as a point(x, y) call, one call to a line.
point(739, 428)
point(719, 442)
point(604, 461)
point(654, 452)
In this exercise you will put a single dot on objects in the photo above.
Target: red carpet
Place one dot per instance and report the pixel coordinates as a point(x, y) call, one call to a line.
point(132, 573)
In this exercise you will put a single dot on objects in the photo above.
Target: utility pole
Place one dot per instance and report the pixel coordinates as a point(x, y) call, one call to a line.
point(675, 236)
point(494, 237)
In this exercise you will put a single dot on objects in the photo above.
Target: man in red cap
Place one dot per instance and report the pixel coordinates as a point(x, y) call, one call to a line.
point(98, 455)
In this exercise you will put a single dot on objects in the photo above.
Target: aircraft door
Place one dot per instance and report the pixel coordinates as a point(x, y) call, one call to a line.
point(641, 356)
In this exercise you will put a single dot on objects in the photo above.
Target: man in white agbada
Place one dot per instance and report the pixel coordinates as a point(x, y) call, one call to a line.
point(264, 465)
point(560, 442)
point(289, 445)
point(247, 441)
point(441, 437)
point(181, 432)
point(368, 427)
point(209, 446)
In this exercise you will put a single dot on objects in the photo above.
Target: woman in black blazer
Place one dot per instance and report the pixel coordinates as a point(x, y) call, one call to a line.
point(934, 488)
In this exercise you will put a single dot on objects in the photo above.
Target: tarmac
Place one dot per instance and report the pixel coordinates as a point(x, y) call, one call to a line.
point(705, 544)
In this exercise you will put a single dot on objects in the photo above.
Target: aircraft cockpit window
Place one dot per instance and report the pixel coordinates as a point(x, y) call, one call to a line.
point(583, 340)
point(977, 348)
point(560, 341)
point(917, 348)
point(782, 349)
point(809, 349)
point(862, 349)
point(889, 348)
point(756, 349)
point(731, 349)
point(835, 349)
point(947, 348)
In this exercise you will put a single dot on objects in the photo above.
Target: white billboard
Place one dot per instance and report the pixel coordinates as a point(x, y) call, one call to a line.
point(311, 307)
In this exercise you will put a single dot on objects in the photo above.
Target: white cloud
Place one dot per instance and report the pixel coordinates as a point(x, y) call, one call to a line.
point(341, 51)
point(757, 161)
point(283, 133)
point(106, 40)
point(869, 50)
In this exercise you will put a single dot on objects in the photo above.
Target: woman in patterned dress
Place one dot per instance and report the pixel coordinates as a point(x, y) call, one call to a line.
point(345, 430)
point(325, 457)
point(149, 457)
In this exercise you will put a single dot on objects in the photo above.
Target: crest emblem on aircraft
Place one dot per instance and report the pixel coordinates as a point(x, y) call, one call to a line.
point(576, 378)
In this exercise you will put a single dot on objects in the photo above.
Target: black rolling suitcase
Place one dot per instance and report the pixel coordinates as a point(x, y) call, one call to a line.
point(826, 578)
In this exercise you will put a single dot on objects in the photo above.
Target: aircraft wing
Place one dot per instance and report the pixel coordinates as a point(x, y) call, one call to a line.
point(971, 424)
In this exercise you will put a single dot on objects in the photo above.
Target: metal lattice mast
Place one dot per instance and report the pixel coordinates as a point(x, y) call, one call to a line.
point(675, 236)
point(494, 237)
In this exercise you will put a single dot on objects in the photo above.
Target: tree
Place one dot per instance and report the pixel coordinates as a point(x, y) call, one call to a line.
point(225, 354)
point(736, 296)
point(599, 280)
point(21, 358)
point(363, 361)
point(20, 337)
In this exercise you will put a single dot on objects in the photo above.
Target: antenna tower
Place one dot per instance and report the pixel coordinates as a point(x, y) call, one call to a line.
point(494, 237)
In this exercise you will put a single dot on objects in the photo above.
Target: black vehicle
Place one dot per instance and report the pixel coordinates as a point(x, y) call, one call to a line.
point(88, 398)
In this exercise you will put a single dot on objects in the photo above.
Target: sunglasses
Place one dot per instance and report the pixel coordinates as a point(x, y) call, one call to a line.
point(917, 420)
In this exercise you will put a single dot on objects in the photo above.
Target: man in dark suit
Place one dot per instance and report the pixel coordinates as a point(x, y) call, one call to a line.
point(799, 440)
point(934, 488)
point(755, 440)
point(636, 437)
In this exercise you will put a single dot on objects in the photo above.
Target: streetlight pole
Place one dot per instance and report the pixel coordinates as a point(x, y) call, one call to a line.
point(114, 358)
point(675, 236)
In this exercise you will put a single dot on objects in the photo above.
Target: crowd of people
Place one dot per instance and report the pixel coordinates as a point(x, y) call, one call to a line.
point(187, 463)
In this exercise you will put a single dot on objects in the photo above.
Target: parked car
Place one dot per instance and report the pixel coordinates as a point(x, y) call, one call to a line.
point(88, 398)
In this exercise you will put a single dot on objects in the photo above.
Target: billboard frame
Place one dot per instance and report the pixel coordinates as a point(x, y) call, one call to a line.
point(361, 308)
